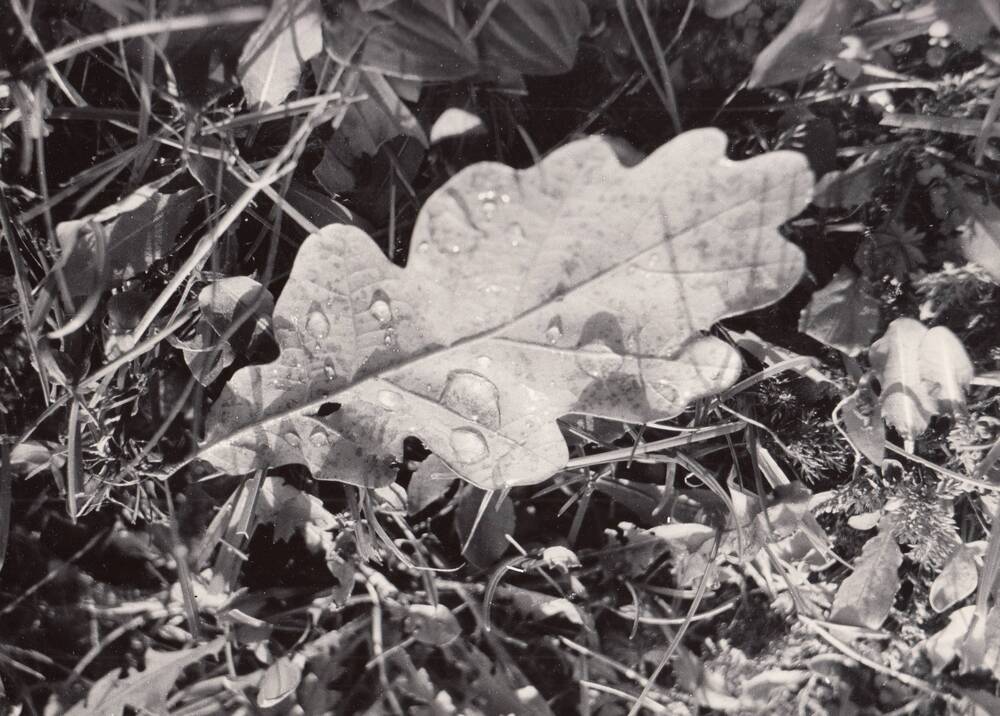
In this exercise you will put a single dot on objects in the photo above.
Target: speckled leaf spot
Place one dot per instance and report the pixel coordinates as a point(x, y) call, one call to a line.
point(576, 286)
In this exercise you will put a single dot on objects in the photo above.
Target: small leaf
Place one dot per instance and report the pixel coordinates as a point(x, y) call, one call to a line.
point(290, 509)
point(561, 558)
point(812, 37)
point(434, 625)
point(272, 58)
point(145, 690)
point(856, 184)
point(957, 580)
point(538, 605)
point(945, 368)
point(141, 229)
point(280, 681)
point(455, 122)
point(226, 299)
point(843, 314)
point(865, 598)
point(489, 541)
point(863, 422)
point(431, 481)
point(944, 646)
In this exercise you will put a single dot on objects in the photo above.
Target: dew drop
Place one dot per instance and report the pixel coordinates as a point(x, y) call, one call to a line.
point(554, 332)
point(505, 198)
point(390, 337)
point(469, 445)
point(380, 310)
point(317, 324)
point(455, 248)
point(599, 360)
point(424, 247)
point(329, 368)
point(473, 396)
point(292, 439)
point(319, 439)
point(390, 399)
point(484, 362)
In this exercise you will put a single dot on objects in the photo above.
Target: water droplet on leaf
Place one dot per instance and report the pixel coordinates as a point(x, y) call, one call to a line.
point(516, 235)
point(390, 399)
point(469, 445)
point(319, 439)
point(317, 325)
point(484, 362)
point(380, 310)
point(554, 332)
point(598, 360)
point(424, 247)
point(473, 396)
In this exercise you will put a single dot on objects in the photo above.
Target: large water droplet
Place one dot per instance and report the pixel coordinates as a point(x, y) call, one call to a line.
point(473, 396)
point(390, 399)
point(317, 324)
point(598, 360)
point(390, 337)
point(469, 445)
point(380, 310)
point(554, 332)
point(484, 362)
point(292, 439)
point(319, 438)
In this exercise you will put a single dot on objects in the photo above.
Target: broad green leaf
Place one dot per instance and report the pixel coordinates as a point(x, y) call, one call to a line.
point(417, 39)
point(533, 37)
point(923, 372)
point(271, 62)
point(140, 229)
point(576, 286)
point(865, 597)
point(144, 690)
point(957, 580)
point(843, 314)
point(812, 37)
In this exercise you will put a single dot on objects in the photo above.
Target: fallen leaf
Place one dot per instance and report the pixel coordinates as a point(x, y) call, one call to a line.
point(144, 690)
point(271, 62)
point(140, 229)
point(812, 37)
point(513, 312)
point(843, 314)
point(956, 581)
point(865, 597)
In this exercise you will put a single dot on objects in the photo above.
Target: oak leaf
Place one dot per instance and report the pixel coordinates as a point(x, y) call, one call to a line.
point(576, 286)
